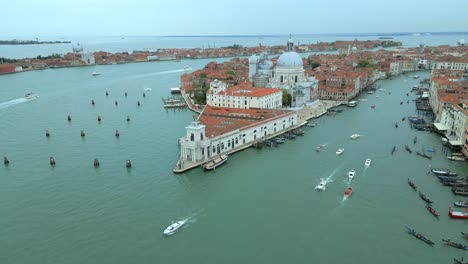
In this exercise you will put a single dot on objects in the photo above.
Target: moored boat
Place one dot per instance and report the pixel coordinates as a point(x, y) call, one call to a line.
point(459, 261)
point(95, 73)
point(348, 192)
point(423, 155)
point(444, 172)
point(212, 164)
point(408, 149)
point(457, 215)
point(173, 228)
point(456, 158)
point(339, 151)
point(419, 236)
point(461, 203)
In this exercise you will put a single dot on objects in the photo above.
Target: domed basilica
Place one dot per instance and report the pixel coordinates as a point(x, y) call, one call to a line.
point(287, 74)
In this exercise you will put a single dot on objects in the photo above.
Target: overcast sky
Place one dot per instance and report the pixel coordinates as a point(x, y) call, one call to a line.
point(235, 17)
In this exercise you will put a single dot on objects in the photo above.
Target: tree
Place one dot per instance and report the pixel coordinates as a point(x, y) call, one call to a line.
point(287, 98)
point(314, 65)
point(203, 75)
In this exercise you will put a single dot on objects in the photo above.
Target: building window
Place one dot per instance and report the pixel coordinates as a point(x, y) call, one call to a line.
point(192, 137)
point(236, 141)
point(201, 136)
point(281, 78)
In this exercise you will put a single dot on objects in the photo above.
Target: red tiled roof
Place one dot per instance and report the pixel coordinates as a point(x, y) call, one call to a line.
point(221, 120)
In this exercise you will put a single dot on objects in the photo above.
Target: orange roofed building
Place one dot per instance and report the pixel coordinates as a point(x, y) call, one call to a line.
point(221, 130)
point(243, 95)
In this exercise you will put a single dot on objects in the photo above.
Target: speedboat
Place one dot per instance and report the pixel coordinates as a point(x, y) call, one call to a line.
point(31, 96)
point(348, 192)
point(367, 163)
point(173, 228)
point(351, 174)
point(355, 136)
point(187, 68)
point(212, 164)
point(322, 185)
point(339, 151)
point(95, 73)
point(147, 89)
point(319, 148)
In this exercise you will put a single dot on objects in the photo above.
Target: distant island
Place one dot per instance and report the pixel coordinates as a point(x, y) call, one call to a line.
point(30, 42)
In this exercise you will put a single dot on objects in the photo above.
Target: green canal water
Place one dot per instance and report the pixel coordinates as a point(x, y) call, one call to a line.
point(259, 207)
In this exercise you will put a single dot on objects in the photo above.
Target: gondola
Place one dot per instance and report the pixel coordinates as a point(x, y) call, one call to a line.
point(443, 172)
point(455, 245)
point(432, 210)
point(423, 155)
point(460, 261)
point(408, 149)
point(425, 198)
point(415, 140)
point(412, 184)
point(419, 236)
point(449, 178)
point(393, 149)
point(465, 235)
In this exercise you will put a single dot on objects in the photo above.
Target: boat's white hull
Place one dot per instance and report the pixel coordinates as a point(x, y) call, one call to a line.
point(170, 230)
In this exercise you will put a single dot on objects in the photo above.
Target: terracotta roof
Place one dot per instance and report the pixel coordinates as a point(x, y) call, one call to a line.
point(221, 120)
point(246, 89)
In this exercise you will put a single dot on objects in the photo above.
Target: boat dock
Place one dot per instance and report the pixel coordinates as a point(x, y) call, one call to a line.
point(174, 102)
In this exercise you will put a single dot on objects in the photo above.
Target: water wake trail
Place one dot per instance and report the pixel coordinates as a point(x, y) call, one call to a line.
point(153, 74)
point(12, 102)
point(192, 218)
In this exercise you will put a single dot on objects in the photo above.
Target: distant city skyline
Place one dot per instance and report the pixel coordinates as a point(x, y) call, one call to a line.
point(214, 18)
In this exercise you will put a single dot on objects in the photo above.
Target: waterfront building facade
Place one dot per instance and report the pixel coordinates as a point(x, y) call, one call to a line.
point(450, 62)
point(242, 96)
point(221, 130)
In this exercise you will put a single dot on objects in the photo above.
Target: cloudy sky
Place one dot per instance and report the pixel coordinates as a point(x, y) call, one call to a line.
point(238, 17)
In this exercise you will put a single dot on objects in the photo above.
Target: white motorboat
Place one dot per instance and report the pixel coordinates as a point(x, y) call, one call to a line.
point(187, 68)
point(322, 185)
point(95, 73)
point(351, 174)
point(31, 96)
point(173, 228)
point(355, 136)
point(217, 161)
point(339, 151)
point(367, 163)
point(146, 89)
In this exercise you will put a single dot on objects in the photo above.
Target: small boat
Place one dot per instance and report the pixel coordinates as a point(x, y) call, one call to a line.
point(31, 96)
point(408, 149)
point(416, 77)
point(396, 125)
point(432, 210)
point(351, 174)
point(456, 158)
point(423, 155)
point(377, 96)
point(393, 149)
point(339, 151)
point(367, 163)
point(415, 139)
point(411, 183)
point(95, 73)
point(372, 106)
point(455, 245)
point(212, 164)
point(280, 140)
point(187, 68)
point(147, 89)
point(319, 148)
point(173, 228)
point(419, 236)
point(465, 235)
point(310, 124)
point(443, 172)
point(449, 178)
point(258, 144)
point(355, 136)
point(459, 261)
point(370, 92)
point(458, 215)
point(461, 203)
point(348, 192)
point(425, 198)
point(462, 192)
point(322, 185)
point(403, 119)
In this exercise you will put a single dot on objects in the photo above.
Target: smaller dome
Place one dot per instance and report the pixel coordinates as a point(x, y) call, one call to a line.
point(266, 64)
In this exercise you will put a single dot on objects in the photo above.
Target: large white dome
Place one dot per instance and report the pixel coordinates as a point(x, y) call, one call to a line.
point(290, 59)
